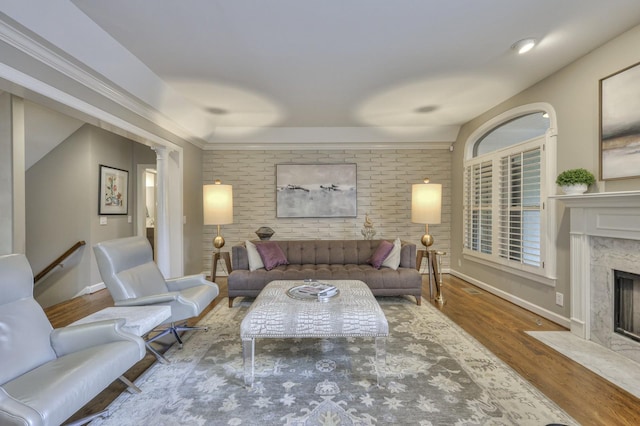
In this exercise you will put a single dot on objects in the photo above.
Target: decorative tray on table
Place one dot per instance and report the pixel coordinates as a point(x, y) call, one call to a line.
point(313, 290)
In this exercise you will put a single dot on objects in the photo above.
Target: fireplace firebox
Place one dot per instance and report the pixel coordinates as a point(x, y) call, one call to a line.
point(627, 304)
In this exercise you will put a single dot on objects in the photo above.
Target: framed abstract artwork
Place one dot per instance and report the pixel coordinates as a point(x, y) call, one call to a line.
point(620, 124)
point(113, 191)
point(316, 190)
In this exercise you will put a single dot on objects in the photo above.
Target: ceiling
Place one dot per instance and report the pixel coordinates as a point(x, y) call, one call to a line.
point(254, 72)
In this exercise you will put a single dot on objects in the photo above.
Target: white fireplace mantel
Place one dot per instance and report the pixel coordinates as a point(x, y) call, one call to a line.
point(605, 214)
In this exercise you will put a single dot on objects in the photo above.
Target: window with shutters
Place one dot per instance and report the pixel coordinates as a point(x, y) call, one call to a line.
point(505, 188)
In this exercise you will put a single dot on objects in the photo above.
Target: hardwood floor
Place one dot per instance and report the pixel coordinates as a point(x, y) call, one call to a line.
point(499, 325)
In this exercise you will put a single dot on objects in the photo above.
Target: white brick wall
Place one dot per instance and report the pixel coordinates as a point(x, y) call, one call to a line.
point(384, 192)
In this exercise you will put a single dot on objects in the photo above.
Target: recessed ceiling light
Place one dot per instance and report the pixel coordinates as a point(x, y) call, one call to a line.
point(523, 46)
point(426, 109)
point(216, 111)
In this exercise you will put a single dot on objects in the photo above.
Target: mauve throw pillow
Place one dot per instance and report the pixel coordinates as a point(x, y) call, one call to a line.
point(271, 254)
point(380, 254)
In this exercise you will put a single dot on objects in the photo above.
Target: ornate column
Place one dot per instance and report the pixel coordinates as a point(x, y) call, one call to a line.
point(163, 249)
point(169, 216)
point(12, 175)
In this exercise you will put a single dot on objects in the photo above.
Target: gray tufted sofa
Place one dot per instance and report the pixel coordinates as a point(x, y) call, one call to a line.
point(328, 260)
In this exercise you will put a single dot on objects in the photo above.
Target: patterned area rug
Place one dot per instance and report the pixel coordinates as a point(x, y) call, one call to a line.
point(436, 375)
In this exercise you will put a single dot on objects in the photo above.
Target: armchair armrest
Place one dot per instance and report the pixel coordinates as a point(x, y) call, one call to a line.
point(14, 412)
point(75, 338)
point(149, 300)
point(182, 283)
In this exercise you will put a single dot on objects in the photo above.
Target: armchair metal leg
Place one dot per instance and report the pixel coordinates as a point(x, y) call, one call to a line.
point(177, 336)
point(173, 329)
point(187, 328)
point(132, 387)
point(157, 354)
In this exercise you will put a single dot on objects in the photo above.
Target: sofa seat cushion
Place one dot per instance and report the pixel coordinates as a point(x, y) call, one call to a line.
point(61, 383)
point(383, 278)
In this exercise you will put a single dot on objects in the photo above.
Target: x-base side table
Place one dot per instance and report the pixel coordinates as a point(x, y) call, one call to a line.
point(217, 255)
point(434, 272)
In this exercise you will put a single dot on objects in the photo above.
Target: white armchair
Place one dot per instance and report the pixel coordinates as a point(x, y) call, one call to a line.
point(47, 375)
point(133, 279)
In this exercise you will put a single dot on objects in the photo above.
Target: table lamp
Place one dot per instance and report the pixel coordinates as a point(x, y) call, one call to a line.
point(217, 208)
point(426, 207)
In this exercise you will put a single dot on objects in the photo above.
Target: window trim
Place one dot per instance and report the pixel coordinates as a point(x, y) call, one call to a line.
point(547, 274)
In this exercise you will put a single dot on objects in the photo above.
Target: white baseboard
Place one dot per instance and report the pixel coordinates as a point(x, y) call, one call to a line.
point(90, 289)
point(551, 316)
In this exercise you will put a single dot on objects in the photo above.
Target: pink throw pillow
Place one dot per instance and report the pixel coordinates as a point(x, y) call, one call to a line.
point(380, 254)
point(271, 254)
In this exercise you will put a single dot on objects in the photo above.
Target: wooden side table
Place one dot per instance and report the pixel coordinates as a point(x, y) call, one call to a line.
point(214, 265)
point(434, 272)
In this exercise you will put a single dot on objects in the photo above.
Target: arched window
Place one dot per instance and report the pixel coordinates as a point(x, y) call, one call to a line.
point(505, 188)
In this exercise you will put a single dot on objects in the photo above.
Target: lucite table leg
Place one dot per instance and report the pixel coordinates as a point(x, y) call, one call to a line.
point(248, 360)
point(381, 358)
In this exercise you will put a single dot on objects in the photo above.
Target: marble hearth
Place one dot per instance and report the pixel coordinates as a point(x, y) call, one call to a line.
point(605, 236)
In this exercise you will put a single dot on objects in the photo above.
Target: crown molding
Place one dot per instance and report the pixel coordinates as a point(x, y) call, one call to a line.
point(325, 146)
point(363, 138)
point(28, 45)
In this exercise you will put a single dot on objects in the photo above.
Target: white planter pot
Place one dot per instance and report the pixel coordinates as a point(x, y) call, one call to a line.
point(577, 189)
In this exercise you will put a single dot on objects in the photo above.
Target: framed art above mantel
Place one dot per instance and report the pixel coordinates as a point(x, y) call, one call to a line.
point(316, 190)
point(620, 124)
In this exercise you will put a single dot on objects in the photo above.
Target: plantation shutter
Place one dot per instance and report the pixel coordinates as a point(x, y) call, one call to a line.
point(478, 214)
point(520, 207)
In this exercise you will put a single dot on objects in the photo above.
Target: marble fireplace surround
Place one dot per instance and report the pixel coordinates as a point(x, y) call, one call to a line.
point(605, 235)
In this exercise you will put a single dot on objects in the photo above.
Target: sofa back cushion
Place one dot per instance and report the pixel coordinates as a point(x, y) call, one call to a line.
point(333, 252)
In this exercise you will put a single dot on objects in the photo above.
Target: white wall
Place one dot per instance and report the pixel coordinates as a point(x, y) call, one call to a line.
point(62, 208)
point(384, 192)
point(192, 202)
point(12, 166)
point(6, 175)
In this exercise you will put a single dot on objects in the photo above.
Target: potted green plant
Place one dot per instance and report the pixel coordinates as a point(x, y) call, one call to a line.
point(575, 181)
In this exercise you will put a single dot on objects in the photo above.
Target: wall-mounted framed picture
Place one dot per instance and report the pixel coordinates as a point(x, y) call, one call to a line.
point(620, 124)
point(316, 190)
point(113, 191)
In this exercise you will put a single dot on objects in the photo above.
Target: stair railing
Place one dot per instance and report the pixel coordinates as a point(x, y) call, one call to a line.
point(58, 261)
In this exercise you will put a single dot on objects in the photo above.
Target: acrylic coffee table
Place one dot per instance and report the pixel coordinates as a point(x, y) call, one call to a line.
point(354, 312)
